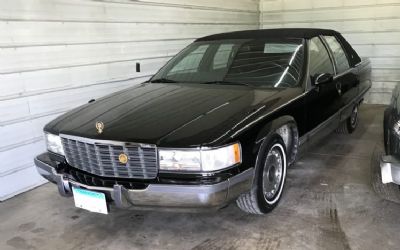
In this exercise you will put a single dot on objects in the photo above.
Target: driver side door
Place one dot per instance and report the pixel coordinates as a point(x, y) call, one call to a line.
point(323, 100)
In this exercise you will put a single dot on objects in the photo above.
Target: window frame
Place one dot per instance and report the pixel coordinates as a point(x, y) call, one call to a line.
point(333, 56)
point(229, 58)
point(330, 55)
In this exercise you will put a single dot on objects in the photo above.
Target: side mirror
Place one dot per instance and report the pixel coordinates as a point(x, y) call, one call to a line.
point(322, 78)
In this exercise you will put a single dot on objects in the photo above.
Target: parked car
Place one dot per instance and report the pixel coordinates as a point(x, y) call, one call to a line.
point(220, 122)
point(386, 165)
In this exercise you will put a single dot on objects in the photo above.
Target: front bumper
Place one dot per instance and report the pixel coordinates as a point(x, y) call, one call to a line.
point(390, 169)
point(162, 196)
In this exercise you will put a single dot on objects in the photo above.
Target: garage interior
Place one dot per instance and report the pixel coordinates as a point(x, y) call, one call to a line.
point(58, 54)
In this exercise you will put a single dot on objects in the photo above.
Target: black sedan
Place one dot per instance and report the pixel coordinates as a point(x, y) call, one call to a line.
point(220, 122)
point(386, 166)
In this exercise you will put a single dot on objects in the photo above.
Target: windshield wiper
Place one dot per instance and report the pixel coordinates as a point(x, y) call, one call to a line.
point(226, 82)
point(163, 80)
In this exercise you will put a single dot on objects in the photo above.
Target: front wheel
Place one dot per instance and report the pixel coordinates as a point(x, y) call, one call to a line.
point(269, 178)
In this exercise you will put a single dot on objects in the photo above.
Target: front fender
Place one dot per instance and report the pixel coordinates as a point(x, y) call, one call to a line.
point(286, 127)
point(273, 126)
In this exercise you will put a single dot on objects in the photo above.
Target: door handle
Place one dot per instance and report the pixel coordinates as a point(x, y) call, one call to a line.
point(339, 88)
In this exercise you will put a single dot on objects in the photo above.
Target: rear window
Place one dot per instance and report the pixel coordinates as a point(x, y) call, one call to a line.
point(279, 48)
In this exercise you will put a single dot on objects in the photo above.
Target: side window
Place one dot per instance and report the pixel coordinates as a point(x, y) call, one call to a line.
point(342, 64)
point(191, 62)
point(221, 58)
point(320, 61)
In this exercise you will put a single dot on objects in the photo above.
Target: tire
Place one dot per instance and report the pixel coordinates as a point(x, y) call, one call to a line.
point(269, 179)
point(388, 191)
point(350, 124)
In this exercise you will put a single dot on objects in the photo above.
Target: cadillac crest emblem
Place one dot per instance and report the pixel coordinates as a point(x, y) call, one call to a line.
point(99, 127)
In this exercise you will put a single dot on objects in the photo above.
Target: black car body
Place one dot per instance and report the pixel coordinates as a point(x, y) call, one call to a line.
point(245, 87)
point(390, 162)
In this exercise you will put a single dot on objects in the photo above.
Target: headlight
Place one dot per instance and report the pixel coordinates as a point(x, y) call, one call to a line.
point(53, 143)
point(200, 159)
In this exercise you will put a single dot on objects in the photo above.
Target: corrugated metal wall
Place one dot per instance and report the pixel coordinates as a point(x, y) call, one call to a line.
point(55, 55)
point(371, 26)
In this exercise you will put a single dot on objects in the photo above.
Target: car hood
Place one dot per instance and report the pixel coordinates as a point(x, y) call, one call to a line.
point(169, 115)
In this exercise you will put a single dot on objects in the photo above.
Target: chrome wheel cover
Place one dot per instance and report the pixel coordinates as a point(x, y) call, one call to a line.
point(354, 117)
point(274, 173)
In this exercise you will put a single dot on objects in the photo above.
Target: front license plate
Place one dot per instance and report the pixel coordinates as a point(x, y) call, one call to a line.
point(89, 200)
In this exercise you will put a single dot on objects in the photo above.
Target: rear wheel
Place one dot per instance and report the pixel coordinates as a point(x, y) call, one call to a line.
point(350, 124)
point(269, 178)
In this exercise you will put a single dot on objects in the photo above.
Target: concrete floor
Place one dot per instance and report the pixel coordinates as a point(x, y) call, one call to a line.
point(328, 204)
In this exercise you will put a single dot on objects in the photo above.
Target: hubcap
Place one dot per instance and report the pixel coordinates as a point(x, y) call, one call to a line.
point(273, 173)
point(354, 116)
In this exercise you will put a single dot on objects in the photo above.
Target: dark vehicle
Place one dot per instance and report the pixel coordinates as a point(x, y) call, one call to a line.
point(221, 121)
point(386, 167)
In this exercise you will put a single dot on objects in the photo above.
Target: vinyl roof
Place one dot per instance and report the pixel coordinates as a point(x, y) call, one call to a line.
point(270, 33)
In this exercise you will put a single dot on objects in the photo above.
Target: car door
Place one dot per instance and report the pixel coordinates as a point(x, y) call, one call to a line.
point(323, 100)
point(346, 76)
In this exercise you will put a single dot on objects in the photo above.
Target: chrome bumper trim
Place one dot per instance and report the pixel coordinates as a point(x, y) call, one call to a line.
point(390, 169)
point(163, 196)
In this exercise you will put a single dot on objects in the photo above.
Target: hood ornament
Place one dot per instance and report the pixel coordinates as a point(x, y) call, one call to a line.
point(99, 127)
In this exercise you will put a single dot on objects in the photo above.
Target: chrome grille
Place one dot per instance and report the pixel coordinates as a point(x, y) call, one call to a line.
point(102, 158)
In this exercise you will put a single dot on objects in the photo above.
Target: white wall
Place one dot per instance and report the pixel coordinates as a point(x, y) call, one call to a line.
point(55, 55)
point(371, 26)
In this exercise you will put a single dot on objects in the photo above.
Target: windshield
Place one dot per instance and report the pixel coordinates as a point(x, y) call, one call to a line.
point(258, 62)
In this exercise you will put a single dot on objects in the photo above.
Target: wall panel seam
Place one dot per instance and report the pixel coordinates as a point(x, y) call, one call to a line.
point(121, 21)
point(21, 143)
point(46, 91)
point(33, 117)
point(181, 6)
point(82, 65)
point(343, 7)
point(92, 43)
point(333, 20)
point(370, 31)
